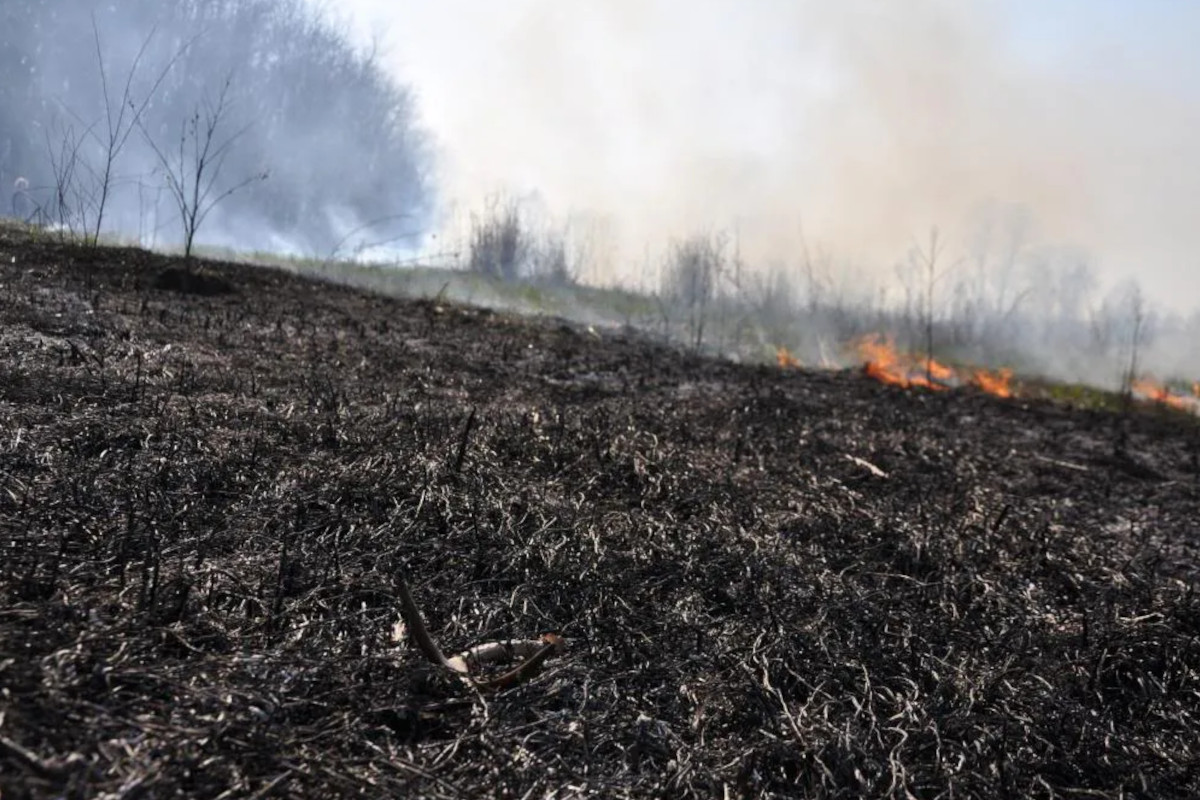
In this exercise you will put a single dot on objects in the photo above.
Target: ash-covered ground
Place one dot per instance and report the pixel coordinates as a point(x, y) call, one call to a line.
point(771, 583)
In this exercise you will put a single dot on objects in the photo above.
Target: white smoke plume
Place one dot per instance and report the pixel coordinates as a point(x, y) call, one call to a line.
point(860, 123)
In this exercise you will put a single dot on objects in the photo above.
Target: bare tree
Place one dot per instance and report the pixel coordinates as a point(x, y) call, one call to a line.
point(928, 260)
point(1138, 333)
point(770, 299)
point(693, 269)
point(70, 197)
point(817, 274)
point(499, 244)
point(990, 295)
point(193, 171)
point(551, 262)
point(121, 116)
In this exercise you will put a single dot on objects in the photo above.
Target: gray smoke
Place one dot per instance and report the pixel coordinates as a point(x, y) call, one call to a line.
point(336, 136)
point(1053, 147)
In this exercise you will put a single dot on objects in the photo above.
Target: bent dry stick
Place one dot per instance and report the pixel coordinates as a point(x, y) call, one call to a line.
point(534, 652)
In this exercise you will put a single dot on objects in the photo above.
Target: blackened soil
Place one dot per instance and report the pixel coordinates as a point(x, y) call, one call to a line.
point(771, 583)
point(190, 280)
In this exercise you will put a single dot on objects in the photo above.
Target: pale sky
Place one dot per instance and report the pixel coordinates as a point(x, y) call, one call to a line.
point(861, 122)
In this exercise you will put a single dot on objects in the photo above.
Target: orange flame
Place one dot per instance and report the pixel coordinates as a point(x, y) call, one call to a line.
point(882, 361)
point(1159, 393)
point(885, 364)
point(786, 359)
point(939, 371)
point(998, 383)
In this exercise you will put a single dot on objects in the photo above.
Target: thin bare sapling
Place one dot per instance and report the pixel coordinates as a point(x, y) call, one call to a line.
point(193, 169)
point(121, 116)
point(932, 275)
point(70, 196)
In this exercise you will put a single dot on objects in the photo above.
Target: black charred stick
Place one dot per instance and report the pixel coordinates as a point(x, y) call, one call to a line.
point(462, 443)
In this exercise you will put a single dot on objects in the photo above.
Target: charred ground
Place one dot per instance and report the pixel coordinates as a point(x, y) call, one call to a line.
point(208, 488)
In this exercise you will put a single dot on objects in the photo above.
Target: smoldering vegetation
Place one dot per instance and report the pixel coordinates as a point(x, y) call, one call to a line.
point(1050, 149)
point(102, 103)
point(317, 151)
point(999, 297)
point(771, 583)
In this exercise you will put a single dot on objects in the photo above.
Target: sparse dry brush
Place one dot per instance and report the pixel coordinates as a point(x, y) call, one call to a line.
point(772, 583)
point(505, 244)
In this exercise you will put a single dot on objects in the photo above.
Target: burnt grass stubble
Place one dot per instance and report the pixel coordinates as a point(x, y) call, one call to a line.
point(211, 488)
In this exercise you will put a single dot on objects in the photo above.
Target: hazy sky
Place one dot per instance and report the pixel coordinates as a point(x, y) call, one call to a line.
point(861, 123)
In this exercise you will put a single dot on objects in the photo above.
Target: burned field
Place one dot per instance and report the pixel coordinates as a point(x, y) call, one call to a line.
point(770, 583)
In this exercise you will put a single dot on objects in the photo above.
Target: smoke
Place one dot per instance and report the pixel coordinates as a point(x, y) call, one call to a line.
point(338, 140)
point(1053, 147)
point(854, 125)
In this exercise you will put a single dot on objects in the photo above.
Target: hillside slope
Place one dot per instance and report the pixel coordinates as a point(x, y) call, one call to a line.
point(770, 583)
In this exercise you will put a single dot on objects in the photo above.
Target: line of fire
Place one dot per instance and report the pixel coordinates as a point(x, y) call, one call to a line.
point(883, 361)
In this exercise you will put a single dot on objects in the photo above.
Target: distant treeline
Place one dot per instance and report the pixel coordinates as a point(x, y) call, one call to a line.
point(335, 133)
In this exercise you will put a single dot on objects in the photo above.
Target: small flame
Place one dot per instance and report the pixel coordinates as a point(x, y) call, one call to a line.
point(882, 360)
point(1159, 393)
point(786, 359)
point(939, 371)
point(998, 383)
point(885, 364)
